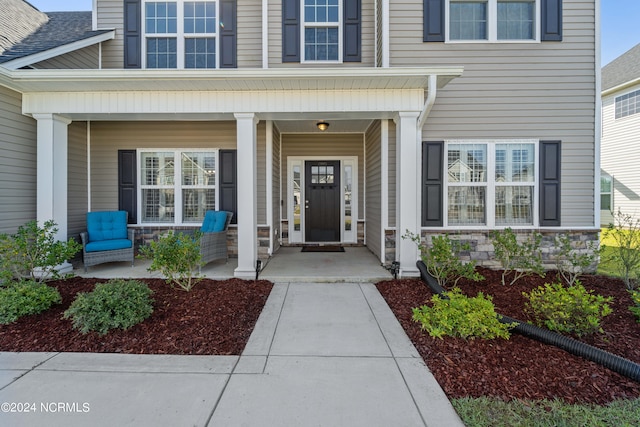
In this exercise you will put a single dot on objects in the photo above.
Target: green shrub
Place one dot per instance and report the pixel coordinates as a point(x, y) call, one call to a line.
point(456, 315)
point(34, 252)
point(635, 309)
point(572, 263)
point(176, 256)
point(115, 304)
point(624, 253)
point(571, 310)
point(522, 258)
point(25, 298)
point(442, 259)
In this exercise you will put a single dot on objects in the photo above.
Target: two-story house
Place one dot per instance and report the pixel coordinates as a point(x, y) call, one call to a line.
point(344, 121)
point(621, 136)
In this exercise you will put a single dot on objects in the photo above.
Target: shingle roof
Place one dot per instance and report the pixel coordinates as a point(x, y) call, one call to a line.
point(17, 20)
point(61, 29)
point(623, 69)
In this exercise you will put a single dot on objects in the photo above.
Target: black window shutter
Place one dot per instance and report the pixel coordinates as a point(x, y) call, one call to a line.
point(432, 183)
point(228, 183)
point(228, 39)
point(550, 183)
point(127, 192)
point(352, 31)
point(433, 16)
point(132, 34)
point(290, 30)
point(551, 22)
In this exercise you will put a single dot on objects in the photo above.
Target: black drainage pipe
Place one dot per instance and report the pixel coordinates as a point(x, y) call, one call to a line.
point(611, 361)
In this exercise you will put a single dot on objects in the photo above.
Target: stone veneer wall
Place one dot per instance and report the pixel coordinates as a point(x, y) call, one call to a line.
point(482, 248)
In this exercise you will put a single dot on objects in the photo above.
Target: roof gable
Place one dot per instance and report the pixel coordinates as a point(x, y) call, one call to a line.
point(18, 20)
point(623, 69)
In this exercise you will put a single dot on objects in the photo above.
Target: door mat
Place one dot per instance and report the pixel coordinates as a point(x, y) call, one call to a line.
point(326, 248)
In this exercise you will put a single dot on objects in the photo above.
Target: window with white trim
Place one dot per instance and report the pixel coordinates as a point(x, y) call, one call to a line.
point(180, 34)
point(492, 20)
point(176, 186)
point(606, 192)
point(322, 30)
point(628, 104)
point(491, 183)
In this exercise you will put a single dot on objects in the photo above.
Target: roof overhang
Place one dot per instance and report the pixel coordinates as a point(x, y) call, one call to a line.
point(622, 86)
point(28, 60)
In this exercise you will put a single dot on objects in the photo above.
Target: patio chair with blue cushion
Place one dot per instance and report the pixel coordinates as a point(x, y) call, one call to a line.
point(107, 238)
point(213, 238)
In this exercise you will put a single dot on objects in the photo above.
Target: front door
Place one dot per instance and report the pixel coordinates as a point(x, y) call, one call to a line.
point(322, 201)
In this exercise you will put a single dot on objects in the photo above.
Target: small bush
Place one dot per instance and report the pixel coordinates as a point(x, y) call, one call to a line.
point(522, 258)
point(635, 309)
point(572, 263)
point(624, 254)
point(572, 310)
point(115, 304)
point(442, 259)
point(456, 315)
point(25, 298)
point(176, 256)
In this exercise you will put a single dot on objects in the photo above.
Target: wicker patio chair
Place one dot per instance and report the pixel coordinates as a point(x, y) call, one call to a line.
point(107, 238)
point(213, 238)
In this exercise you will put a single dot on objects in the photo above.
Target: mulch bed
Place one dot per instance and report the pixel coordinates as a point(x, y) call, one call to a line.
point(214, 318)
point(522, 368)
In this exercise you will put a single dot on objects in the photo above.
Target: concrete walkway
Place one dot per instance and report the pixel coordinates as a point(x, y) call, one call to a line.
point(322, 354)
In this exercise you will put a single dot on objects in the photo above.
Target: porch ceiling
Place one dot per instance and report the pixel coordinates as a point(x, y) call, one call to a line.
point(308, 79)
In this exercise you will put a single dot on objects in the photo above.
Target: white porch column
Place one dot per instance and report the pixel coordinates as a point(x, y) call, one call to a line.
point(407, 191)
point(52, 174)
point(246, 134)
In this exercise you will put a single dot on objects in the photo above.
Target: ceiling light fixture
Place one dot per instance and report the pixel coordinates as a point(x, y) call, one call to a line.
point(322, 125)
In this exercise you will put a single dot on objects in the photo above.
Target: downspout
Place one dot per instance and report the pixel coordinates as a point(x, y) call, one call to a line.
point(428, 103)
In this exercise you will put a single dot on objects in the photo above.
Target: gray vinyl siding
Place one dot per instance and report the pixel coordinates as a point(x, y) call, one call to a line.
point(261, 164)
point(542, 90)
point(109, 137)
point(373, 188)
point(249, 33)
point(77, 180)
point(83, 59)
point(329, 145)
point(392, 175)
point(17, 163)
point(620, 156)
point(368, 38)
point(111, 16)
point(276, 196)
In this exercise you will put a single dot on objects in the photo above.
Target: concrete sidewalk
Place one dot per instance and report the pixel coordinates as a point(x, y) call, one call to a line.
point(322, 354)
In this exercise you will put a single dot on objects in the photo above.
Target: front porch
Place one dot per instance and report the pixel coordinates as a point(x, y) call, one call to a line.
point(288, 264)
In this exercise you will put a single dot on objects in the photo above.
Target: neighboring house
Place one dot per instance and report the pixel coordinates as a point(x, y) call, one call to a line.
point(620, 188)
point(444, 116)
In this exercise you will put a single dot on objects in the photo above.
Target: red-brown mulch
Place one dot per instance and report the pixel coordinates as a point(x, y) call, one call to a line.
point(214, 318)
point(522, 368)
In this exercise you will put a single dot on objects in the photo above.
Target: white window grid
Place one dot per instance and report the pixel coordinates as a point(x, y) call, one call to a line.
point(328, 24)
point(627, 104)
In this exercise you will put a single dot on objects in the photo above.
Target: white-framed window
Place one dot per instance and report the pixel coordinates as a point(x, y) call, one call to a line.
point(321, 30)
point(180, 34)
point(628, 104)
point(176, 186)
point(493, 20)
point(606, 192)
point(491, 183)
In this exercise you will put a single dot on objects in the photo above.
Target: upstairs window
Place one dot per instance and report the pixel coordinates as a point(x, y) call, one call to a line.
point(492, 20)
point(628, 104)
point(321, 30)
point(181, 34)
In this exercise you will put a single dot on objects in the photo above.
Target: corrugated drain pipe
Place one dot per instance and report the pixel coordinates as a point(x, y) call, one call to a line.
point(616, 363)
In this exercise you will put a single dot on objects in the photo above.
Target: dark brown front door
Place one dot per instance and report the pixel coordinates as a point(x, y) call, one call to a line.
point(322, 201)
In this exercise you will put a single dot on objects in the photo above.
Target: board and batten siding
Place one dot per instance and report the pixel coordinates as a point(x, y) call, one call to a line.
point(367, 37)
point(249, 33)
point(109, 137)
point(543, 90)
point(77, 198)
point(619, 154)
point(83, 59)
point(325, 145)
point(373, 188)
point(17, 163)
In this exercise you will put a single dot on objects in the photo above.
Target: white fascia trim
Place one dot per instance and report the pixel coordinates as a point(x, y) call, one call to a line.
point(60, 50)
point(615, 88)
point(265, 34)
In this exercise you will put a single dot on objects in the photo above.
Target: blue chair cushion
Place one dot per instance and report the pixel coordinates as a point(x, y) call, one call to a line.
point(108, 245)
point(214, 221)
point(107, 225)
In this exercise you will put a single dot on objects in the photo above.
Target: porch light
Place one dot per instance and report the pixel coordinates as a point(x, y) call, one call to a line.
point(322, 125)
